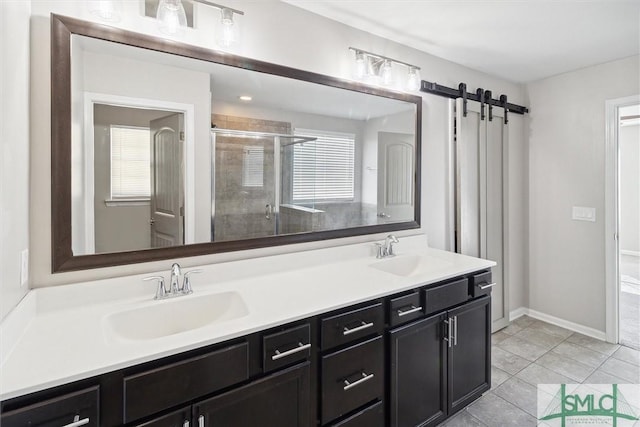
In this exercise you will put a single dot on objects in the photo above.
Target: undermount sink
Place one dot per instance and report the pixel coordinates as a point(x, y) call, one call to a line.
point(173, 316)
point(410, 265)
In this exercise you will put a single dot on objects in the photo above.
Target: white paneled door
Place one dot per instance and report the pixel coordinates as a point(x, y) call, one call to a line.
point(395, 176)
point(167, 190)
point(481, 146)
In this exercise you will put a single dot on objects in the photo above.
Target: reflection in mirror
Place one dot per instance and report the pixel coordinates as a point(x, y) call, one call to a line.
point(285, 156)
point(163, 150)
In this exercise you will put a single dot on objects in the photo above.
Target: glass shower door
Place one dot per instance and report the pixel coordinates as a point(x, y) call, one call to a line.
point(245, 190)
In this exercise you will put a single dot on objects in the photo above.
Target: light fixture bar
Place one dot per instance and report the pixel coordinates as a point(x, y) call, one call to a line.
point(375, 55)
point(218, 6)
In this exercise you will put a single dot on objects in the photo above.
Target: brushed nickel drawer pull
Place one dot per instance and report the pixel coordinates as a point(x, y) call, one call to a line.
point(186, 424)
point(78, 422)
point(300, 347)
point(365, 378)
point(448, 337)
point(362, 327)
point(412, 310)
point(455, 330)
point(490, 285)
point(201, 421)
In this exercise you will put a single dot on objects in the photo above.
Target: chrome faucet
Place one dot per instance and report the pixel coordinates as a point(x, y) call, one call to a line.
point(385, 249)
point(176, 272)
point(175, 288)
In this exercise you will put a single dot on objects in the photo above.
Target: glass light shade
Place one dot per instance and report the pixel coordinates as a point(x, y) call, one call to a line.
point(360, 69)
point(228, 31)
point(105, 10)
point(172, 19)
point(413, 79)
point(386, 73)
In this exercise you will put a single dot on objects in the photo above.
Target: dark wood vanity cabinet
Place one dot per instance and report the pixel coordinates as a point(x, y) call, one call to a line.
point(418, 373)
point(440, 364)
point(405, 360)
point(281, 399)
point(469, 357)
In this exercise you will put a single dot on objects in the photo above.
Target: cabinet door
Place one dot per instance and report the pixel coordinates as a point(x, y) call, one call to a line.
point(418, 373)
point(281, 399)
point(470, 353)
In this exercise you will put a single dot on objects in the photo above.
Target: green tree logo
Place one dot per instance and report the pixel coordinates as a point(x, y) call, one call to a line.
point(613, 406)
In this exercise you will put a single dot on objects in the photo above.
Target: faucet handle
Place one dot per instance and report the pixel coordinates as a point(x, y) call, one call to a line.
point(186, 285)
point(161, 292)
point(379, 250)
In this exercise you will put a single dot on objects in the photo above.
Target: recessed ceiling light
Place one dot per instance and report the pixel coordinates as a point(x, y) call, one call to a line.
point(246, 98)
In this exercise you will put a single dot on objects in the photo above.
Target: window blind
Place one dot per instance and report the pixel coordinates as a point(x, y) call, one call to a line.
point(323, 169)
point(253, 166)
point(130, 162)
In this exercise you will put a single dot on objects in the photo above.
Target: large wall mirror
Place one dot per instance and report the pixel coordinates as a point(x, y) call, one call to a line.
point(163, 150)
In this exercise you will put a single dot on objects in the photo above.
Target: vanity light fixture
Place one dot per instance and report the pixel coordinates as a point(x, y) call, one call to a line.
point(172, 19)
point(245, 98)
point(228, 32)
point(105, 10)
point(378, 69)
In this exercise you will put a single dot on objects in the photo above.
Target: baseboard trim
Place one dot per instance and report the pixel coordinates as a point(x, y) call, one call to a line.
point(518, 312)
point(575, 327)
point(631, 253)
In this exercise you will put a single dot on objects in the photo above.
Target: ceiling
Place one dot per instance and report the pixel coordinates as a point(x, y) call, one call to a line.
point(518, 40)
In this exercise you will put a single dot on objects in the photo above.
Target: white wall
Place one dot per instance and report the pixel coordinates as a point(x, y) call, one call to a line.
point(308, 42)
point(14, 144)
point(107, 74)
point(566, 168)
point(629, 146)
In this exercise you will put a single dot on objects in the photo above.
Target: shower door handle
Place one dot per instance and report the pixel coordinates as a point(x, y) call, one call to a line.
point(267, 211)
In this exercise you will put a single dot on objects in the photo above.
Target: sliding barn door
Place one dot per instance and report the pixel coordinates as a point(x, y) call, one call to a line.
point(481, 188)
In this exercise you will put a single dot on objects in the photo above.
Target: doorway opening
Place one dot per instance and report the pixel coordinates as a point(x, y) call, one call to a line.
point(623, 221)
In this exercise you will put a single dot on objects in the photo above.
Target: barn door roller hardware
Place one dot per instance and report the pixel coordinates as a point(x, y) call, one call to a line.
point(481, 95)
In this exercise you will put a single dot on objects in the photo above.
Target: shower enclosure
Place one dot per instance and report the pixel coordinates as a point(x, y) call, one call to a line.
point(247, 192)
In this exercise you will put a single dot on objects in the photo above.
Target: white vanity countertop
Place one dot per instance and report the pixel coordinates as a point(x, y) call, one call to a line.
point(57, 335)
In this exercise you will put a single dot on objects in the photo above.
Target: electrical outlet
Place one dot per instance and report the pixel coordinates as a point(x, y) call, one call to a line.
point(24, 267)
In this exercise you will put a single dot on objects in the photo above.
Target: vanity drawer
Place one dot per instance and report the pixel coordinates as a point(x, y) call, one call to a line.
point(351, 378)
point(405, 308)
point(480, 284)
point(286, 347)
point(59, 411)
point(352, 325)
point(152, 391)
point(373, 416)
point(445, 296)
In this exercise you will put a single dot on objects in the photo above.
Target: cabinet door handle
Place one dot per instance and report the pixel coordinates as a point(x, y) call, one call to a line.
point(412, 310)
point(490, 285)
point(448, 337)
point(78, 422)
point(201, 421)
point(455, 330)
point(300, 347)
point(348, 384)
point(362, 327)
point(186, 424)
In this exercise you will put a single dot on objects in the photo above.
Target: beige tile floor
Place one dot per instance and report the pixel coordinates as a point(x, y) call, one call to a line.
point(531, 352)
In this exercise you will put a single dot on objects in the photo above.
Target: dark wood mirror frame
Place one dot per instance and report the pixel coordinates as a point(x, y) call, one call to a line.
point(62, 28)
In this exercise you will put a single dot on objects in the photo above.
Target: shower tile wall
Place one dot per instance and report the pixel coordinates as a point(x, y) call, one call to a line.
point(240, 210)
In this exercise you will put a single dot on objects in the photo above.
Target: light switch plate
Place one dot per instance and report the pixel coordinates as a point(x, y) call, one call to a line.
point(24, 267)
point(582, 213)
